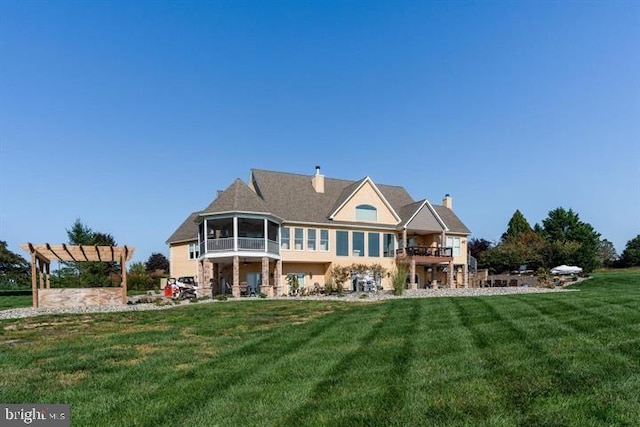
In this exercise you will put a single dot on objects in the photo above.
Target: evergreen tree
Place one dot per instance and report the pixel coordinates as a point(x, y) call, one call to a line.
point(156, 262)
point(631, 255)
point(571, 240)
point(14, 269)
point(518, 225)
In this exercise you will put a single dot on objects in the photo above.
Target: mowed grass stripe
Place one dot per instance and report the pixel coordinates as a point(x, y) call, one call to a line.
point(572, 367)
point(212, 378)
point(546, 359)
point(261, 389)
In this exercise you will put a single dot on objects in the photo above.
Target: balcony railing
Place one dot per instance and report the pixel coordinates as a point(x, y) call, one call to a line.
point(425, 251)
point(245, 244)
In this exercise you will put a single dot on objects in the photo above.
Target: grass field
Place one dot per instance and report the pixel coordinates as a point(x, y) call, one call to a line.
point(540, 360)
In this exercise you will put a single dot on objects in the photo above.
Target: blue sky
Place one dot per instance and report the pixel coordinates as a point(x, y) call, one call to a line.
point(130, 115)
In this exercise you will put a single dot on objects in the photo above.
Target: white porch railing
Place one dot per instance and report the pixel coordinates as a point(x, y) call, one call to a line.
point(246, 244)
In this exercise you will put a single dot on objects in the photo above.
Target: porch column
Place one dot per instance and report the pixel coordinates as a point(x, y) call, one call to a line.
point(412, 272)
point(278, 277)
point(266, 238)
point(450, 275)
point(266, 286)
point(235, 285)
point(404, 241)
point(235, 235)
point(434, 277)
point(200, 272)
point(465, 275)
point(216, 279)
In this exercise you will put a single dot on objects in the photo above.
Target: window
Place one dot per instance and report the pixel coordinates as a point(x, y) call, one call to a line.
point(311, 239)
point(285, 240)
point(454, 242)
point(342, 243)
point(194, 252)
point(324, 240)
point(298, 238)
point(374, 244)
point(388, 245)
point(366, 213)
point(358, 243)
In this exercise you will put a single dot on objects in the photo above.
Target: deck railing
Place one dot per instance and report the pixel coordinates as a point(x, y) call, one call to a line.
point(425, 251)
point(245, 244)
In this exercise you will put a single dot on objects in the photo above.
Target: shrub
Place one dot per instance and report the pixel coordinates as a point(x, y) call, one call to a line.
point(329, 286)
point(263, 295)
point(399, 278)
point(222, 297)
point(364, 296)
point(294, 285)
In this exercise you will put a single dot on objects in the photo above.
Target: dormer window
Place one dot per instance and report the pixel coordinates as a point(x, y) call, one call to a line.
point(366, 213)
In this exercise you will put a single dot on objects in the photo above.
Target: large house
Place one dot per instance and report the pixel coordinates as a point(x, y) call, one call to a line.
point(254, 236)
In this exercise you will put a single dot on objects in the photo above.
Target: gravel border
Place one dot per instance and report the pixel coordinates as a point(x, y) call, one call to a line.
point(19, 313)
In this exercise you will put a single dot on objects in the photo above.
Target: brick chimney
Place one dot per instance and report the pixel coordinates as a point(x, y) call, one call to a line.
point(318, 181)
point(447, 202)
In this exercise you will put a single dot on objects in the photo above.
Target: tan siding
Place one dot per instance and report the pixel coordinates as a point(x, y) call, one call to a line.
point(366, 196)
point(179, 262)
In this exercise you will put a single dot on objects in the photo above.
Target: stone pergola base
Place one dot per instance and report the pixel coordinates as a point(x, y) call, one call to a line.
point(45, 296)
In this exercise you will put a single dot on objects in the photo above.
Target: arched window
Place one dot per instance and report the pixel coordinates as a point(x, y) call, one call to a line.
point(366, 213)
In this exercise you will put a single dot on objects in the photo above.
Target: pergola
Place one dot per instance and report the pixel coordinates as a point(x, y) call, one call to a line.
point(41, 257)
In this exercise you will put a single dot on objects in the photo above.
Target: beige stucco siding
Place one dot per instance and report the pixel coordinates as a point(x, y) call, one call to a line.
point(180, 264)
point(366, 195)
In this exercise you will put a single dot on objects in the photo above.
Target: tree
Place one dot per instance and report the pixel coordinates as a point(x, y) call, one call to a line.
point(631, 255)
point(478, 246)
point(528, 248)
point(518, 224)
point(607, 255)
point(563, 230)
point(88, 274)
point(14, 269)
point(137, 268)
point(156, 262)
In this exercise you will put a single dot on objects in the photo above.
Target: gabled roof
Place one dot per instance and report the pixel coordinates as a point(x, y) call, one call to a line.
point(352, 189)
point(292, 197)
point(238, 197)
point(423, 217)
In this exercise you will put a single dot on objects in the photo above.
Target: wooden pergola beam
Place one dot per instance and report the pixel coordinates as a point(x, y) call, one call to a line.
point(50, 249)
point(69, 253)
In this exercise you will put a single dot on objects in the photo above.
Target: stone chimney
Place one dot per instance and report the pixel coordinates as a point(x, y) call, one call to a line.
point(218, 193)
point(318, 181)
point(447, 202)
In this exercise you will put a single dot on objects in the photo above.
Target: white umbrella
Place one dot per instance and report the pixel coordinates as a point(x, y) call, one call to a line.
point(566, 269)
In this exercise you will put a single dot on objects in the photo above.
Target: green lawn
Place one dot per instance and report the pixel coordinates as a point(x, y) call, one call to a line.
point(540, 360)
point(15, 301)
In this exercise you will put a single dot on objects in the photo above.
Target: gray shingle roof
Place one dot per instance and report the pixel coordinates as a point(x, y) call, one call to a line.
point(293, 198)
point(451, 219)
point(238, 197)
point(188, 230)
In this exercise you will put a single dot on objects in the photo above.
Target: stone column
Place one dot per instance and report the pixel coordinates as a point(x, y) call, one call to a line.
point(465, 275)
point(412, 273)
point(278, 278)
point(450, 275)
point(235, 285)
point(434, 277)
point(266, 286)
point(215, 276)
